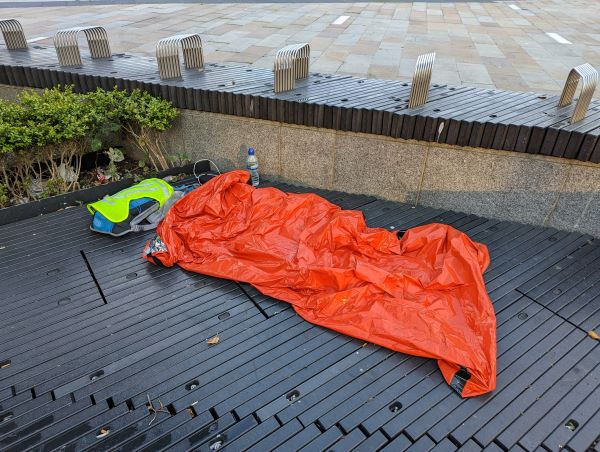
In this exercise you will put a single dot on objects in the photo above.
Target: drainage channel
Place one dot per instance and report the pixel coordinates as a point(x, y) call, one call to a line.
point(89, 267)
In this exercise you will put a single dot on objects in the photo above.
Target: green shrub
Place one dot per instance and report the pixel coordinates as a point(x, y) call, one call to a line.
point(43, 137)
point(115, 156)
point(179, 159)
point(16, 138)
point(56, 116)
point(61, 122)
point(4, 198)
point(108, 115)
point(53, 187)
point(146, 117)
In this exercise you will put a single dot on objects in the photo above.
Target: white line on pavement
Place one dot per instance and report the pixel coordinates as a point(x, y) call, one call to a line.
point(340, 20)
point(515, 7)
point(558, 38)
point(41, 38)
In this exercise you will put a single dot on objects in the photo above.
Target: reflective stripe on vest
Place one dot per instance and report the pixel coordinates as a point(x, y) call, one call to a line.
point(116, 207)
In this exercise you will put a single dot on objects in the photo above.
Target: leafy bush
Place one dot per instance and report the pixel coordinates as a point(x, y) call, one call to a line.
point(4, 199)
point(146, 117)
point(108, 115)
point(43, 137)
point(16, 138)
point(115, 156)
point(179, 159)
point(53, 187)
point(56, 116)
point(60, 122)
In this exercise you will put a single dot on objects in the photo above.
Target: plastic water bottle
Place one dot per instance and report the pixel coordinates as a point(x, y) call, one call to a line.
point(252, 166)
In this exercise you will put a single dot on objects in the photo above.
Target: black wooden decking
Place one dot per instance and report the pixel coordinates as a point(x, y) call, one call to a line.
point(91, 332)
point(464, 116)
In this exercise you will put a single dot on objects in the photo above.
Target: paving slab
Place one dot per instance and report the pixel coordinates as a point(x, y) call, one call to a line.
point(502, 44)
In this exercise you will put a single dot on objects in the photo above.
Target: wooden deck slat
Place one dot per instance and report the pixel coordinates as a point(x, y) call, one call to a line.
point(150, 339)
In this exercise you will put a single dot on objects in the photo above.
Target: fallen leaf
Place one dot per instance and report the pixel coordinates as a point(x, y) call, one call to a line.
point(213, 340)
point(593, 335)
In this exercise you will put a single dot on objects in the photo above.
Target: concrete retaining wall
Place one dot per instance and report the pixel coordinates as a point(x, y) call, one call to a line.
point(527, 188)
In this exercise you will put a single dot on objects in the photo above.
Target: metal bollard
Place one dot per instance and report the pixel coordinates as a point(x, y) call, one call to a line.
point(589, 79)
point(419, 90)
point(167, 54)
point(12, 31)
point(291, 63)
point(67, 49)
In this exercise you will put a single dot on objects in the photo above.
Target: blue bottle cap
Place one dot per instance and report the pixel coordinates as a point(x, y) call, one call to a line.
point(250, 151)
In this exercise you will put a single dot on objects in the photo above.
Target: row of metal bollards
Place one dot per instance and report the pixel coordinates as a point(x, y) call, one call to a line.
point(291, 62)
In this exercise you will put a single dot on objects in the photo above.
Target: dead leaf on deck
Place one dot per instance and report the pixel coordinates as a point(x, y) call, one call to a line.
point(213, 340)
point(593, 335)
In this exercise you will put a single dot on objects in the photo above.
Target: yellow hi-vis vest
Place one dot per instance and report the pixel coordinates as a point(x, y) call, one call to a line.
point(116, 207)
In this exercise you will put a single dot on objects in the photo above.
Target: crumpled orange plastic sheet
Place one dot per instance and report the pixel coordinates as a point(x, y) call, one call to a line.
point(422, 294)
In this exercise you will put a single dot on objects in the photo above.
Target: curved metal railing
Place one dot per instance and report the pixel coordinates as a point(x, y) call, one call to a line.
point(167, 54)
point(419, 90)
point(12, 31)
point(291, 63)
point(67, 48)
point(589, 79)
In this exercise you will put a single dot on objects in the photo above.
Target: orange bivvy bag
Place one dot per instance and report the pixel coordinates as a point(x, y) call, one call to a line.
point(422, 294)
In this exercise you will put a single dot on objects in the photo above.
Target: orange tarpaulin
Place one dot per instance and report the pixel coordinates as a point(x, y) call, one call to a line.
point(422, 294)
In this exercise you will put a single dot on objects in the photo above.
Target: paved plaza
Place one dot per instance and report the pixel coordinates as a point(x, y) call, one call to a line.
point(515, 45)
